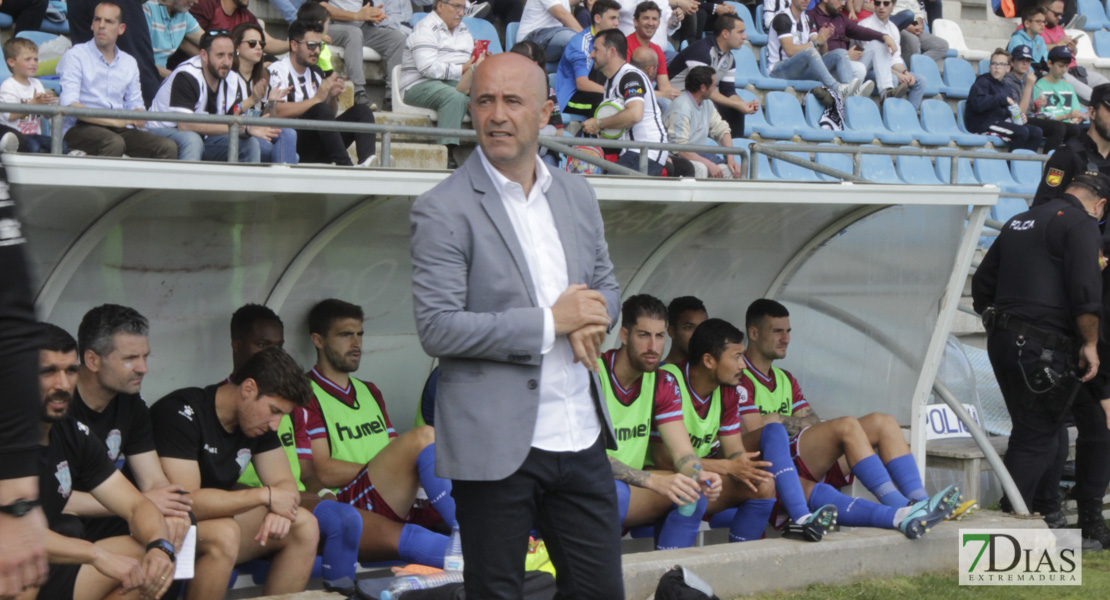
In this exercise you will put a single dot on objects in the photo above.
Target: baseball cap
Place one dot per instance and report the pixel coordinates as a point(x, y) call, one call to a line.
point(1059, 53)
point(1022, 52)
point(1098, 182)
point(1101, 94)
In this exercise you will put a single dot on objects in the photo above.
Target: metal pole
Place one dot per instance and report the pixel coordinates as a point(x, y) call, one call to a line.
point(857, 164)
point(386, 159)
point(233, 142)
point(753, 166)
point(955, 170)
point(643, 167)
point(56, 125)
point(984, 443)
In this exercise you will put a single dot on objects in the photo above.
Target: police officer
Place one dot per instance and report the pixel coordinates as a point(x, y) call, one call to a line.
point(1039, 290)
point(1090, 152)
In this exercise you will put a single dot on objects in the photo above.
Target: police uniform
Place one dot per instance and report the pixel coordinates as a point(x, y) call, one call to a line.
point(1039, 276)
point(1073, 157)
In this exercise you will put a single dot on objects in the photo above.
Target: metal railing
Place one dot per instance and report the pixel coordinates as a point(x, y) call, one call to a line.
point(57, 114)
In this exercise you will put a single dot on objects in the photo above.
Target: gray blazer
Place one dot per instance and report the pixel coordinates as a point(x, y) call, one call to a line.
point(476, 311)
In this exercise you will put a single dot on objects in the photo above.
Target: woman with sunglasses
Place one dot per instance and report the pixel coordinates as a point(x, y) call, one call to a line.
point(249, 47)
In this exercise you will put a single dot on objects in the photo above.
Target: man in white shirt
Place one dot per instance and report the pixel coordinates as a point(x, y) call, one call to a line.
point(550, 24)
point(910, 18)
point(792, 52)
point(885, 66)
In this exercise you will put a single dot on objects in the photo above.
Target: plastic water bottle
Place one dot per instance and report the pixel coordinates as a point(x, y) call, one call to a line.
point(453, 558)
point(408, 583)
point(1015, 113)
point(688, 509)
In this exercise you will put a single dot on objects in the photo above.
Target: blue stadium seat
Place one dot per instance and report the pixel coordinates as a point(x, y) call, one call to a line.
point(916, 170)
point(5, 21)
point(482, 29)
point(1007, 208)
point(759, 19)
point(1095, 13)
point(755, 123)
point(899, 115)
point(755, 35)
point(802, 85)
point(790, 171)
point(1101, 41)
point(878, 168)
point(996, 171)
point(840, 162)
point(927, 68)
point(784, 111)
point(937, 117)
point(814, 109)
point(417, 16)
point(964, 173)
point(5, 72)
point(1026, 172)
point(763, 169)
point(749, 73)
point(958, 77)
point(55, 28)
point(984, 66)
point(862, 114)
point(510, 34)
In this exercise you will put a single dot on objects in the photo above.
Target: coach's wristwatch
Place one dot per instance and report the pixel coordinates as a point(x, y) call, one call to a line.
point(165, 546)
point(20, 507)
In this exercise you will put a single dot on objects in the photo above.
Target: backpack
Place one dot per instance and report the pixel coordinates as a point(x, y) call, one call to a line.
point(1004, 8)
point(682, 584)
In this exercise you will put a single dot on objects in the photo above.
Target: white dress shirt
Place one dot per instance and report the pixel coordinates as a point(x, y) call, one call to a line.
point(567, 419)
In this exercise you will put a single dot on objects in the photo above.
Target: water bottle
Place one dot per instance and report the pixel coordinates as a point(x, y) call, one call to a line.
point(408, 583)
point(688, 509)
point(453, 558)
point(1015, 113)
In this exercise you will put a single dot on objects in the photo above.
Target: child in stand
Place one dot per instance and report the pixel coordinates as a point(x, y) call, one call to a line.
point(22, 56)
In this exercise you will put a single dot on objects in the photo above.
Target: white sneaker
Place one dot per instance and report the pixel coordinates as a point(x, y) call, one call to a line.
point(370, 162)
point(9, 142)
point(865, 89)
point(847, 89)
point(78, 153)
point(478, 10)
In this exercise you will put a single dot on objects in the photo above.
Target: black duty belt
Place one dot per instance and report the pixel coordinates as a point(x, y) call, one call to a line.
point(1050, 340)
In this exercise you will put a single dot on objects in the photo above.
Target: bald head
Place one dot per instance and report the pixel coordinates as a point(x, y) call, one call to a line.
point(508, 106)
point(500, 69)
point(644, 59)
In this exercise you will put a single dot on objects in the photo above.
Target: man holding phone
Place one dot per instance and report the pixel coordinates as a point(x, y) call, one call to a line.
point(438, 66)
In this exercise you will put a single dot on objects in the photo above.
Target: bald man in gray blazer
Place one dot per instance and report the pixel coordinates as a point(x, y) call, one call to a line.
point(513, 291)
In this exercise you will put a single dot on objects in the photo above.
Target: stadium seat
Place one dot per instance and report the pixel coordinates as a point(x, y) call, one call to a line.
point(862, 114)
point(958, 77)
point(1095, 13)
point(5, 21)
point(784, 111)
point(1102, 43)
point(510, 34)
point(996, 171)
point(937, 117)
point(927, 68)
point(1085, 50)
point(417, 16)
point(814, 109)
point(900, 116)
point(840, 162)
point(55, 28)
point(1026, 172)
point(984, 66)
point(482, 29)
point(951, 33)
point(1007, 208)
point(916, 170)
point(964, 173)
point(755, 35)
point(399, 105)
point(877, 168)
point(749, 73)
point(801, 85)
point(755, 123)
point(790, 171)
point(763, 170)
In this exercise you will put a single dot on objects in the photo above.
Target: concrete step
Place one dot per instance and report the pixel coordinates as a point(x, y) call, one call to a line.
point(411, 155)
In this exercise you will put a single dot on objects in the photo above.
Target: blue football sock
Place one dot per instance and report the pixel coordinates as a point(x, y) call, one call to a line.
point(775, 447)
point(438, 489)
point(421, 546)
point(903, 470)
point(750, 520)
point(679, 531)
point(872, 474)
point(623, 494)
point(340, 529)
point(723, 518)
point(853, 512)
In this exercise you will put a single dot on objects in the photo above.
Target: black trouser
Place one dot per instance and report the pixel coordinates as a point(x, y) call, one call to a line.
point(98, 140)
point(583, 103)
point(136, 41)
point(1033, 454)
point(1055, 132)
point(26, 14)
point(676, 165)
point(570, 498)
point(315, 146)
point(734, 118)
point(1092, 448)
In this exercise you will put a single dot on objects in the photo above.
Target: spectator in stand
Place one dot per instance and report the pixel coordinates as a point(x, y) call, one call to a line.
point(671, 14)
point(771, 9)
point(858, 10)
point(1055, 97)
point(27, 15)
point(313, 96)
point(692, 118)
point(554, 123)
point(1033, 21)
point(794, 52)
point(695, 25)
point(581, 12)
point(1081, 78)
point(398, 15)
point(550, 24)
point(438, 67)
point(910, 19)
point(716, 52)
point(174, 33)
point(98, 74)
point(205, 85)
point(829, 13)
point(1021, 80)
point(885, 65)
point(213, 15)
point(260, 99)
point(135, 43)
point(22, 56)
point(577, 86)
point(646, 18)
point(355, 25)
point(988, 108)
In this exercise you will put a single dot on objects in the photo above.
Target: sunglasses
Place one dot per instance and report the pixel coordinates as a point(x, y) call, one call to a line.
point(255, 43)
point(313, 45)
point(887, 3)
point(214, 32)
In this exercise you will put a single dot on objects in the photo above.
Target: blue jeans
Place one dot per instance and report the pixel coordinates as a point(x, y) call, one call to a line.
point(39, 144)
point(215, 149)
point(283, 150)
point(190, 145)
point(553, 39)
point(917, 90)
point(287, 8)
point(808, 64)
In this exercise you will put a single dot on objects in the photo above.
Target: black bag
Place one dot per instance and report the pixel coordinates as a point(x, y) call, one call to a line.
point(538, 585)
point(682, 584)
